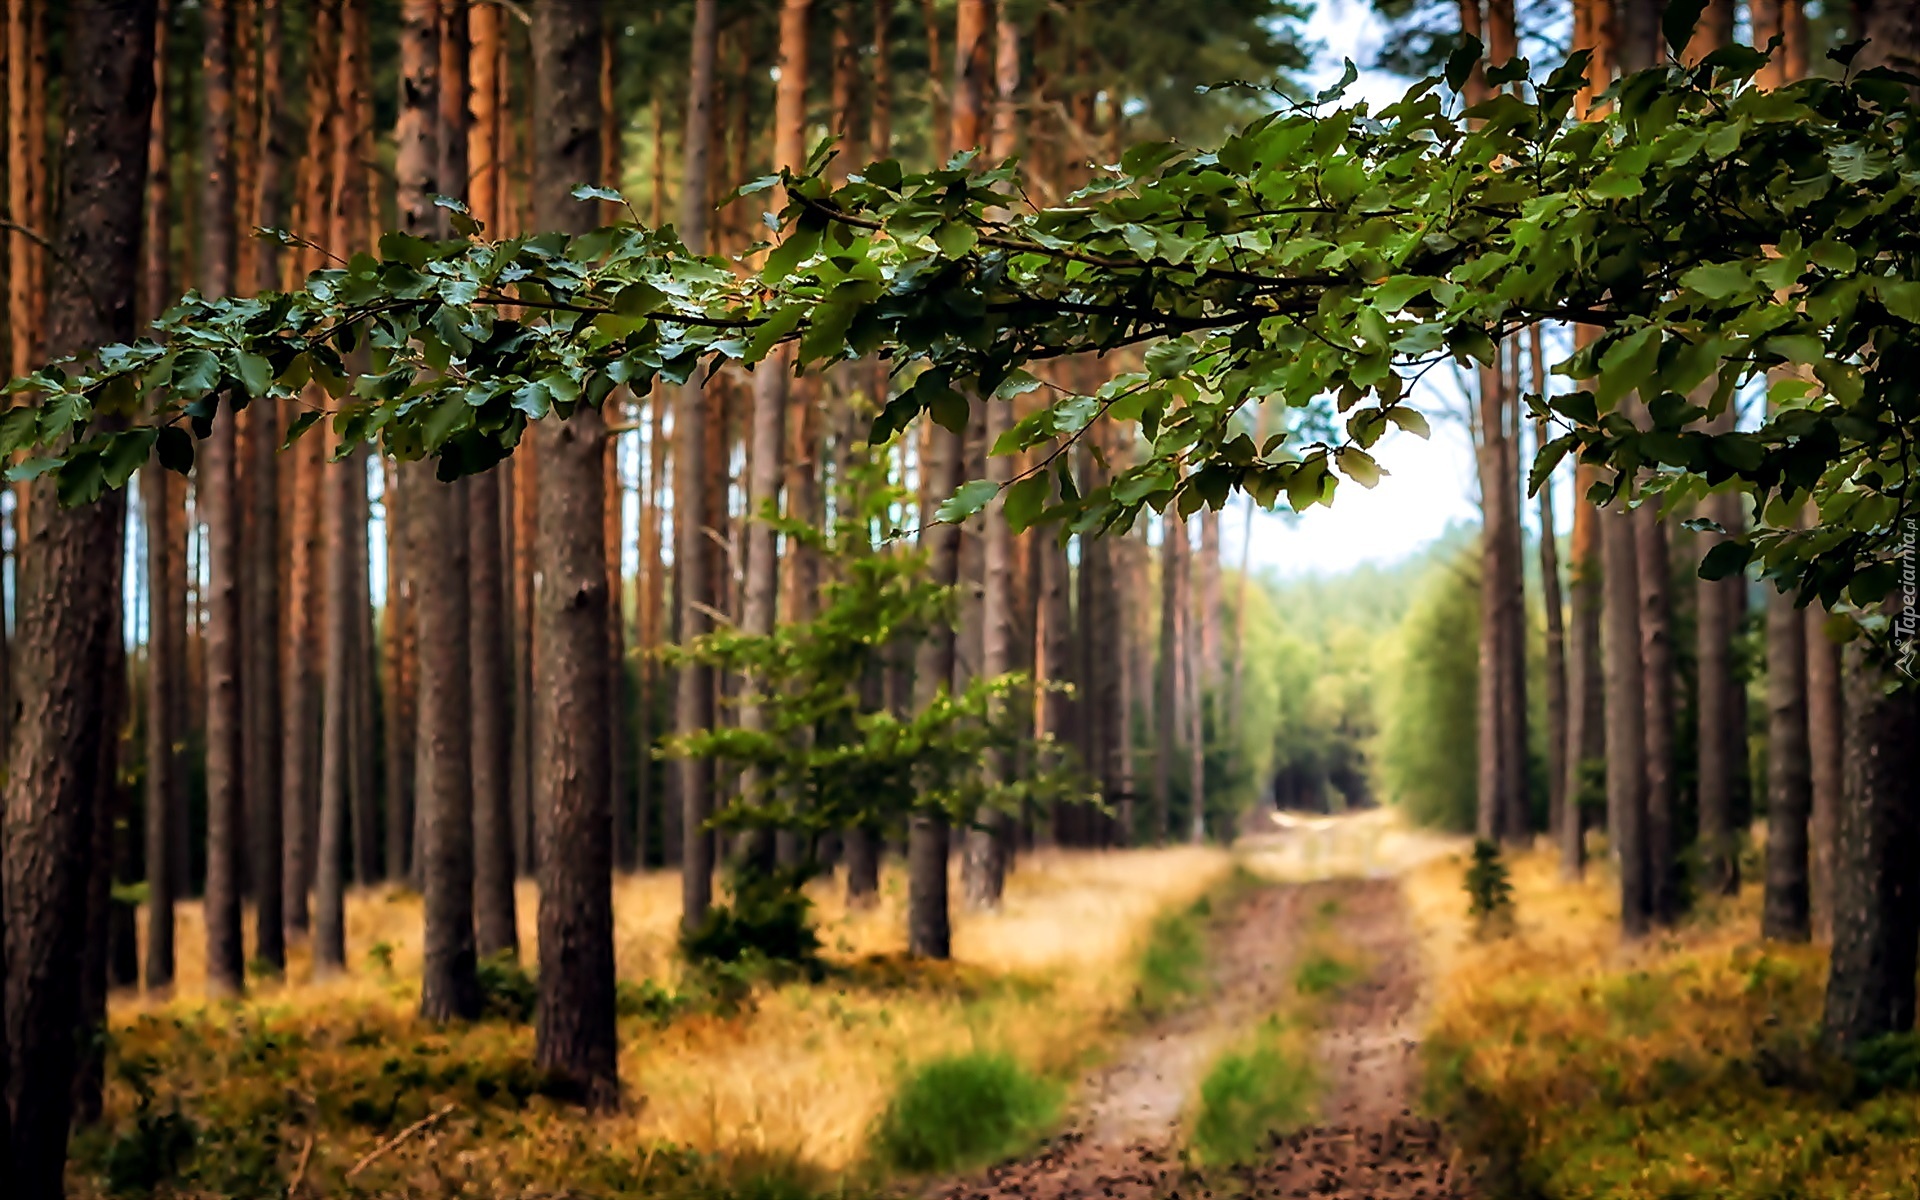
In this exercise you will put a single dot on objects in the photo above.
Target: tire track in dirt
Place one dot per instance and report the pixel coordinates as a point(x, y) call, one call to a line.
point(1123, 1141)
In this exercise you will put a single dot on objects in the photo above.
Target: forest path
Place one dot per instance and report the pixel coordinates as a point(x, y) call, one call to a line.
point(1124, 1138)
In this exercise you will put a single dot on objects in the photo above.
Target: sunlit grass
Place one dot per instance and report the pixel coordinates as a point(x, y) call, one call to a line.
point(1684, 1065)
point(800, 1077)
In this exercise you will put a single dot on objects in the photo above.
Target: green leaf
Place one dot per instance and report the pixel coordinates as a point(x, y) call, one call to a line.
point(588, 191)
point(1410, 419)
point(255, 373)
point(970, 499)
point(1725, 560)
point(1025, 500)
point(1169, 359)
point(124, 453)
point(1718, 281)
point(173, 446)
point(777, 325)
point(1856, 163)
point(1358, 466)
point(1678, 22)
point(1546, 460)
point(1461, 62)
point(1901, 298)
point(306, 420)
point(956, 238)
point(195, 373)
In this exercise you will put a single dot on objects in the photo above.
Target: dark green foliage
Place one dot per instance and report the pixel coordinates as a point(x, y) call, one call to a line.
point(158, 1145)
point(767, 920)
point(1890, 1062)
point(508, 990)
point(1317, 251)
point(964, 1110)
point(1489, 892)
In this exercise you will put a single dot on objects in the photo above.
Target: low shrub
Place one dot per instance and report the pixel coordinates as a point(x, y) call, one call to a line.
point(767, 920)
point(964, 1110)
point(508, 991)
point(1255, 1093)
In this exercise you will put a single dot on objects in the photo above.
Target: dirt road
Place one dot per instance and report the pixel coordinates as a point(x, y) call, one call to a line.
point(1123, 1142)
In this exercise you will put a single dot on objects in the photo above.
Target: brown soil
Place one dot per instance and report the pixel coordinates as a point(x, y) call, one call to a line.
point(1124, 1140)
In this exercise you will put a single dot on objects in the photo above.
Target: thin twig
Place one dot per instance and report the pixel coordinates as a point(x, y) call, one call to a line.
point(300, 1169)
point(397, 1138)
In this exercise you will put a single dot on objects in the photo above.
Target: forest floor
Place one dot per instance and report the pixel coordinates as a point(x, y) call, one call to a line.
point(1310, 1014)
point(1327, 955)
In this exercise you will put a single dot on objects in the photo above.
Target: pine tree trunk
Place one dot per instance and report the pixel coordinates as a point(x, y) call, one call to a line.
point(693, 703)
point(67, 608)
point(217, 487)
point(262, 684)
point(109, 816)
point(162, 502)
point(1173, 553)
point(1490, 764)
point(300, 757)
point(1556, 664)
point(1625, 698)
point(1586, 691)
point(1826, 740)
point(1876, 892)
point(1720, 741)
point(343, 807)
point(1784, 910)
point(1656, 665)
point(398, 663)
point(766, 450)
point(575, 1038)
point(431, 532)
point(496, 918)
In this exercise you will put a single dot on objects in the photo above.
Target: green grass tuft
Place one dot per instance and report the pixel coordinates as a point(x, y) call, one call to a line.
point(964, 1110)
point(1173, 963)
point(1321, 974)
point(1252, 1094)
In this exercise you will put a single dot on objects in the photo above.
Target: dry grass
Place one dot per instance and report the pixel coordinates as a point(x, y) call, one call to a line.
point(1681, 1066)
point(797, 1078)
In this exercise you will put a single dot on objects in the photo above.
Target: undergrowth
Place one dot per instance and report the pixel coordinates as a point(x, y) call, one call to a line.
point(1686, 1067)
point(964, 1110)
point(739, 1080)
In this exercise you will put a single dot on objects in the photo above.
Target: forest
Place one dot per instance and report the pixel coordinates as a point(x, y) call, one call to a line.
point(689, 598)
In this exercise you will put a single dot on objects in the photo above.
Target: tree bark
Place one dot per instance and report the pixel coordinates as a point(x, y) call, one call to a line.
point(261, 584)
point(162, 502)
point(1826, 739)
point(1554, 606)
point(574, 1036)
point(1784, 910)
point(1173, 557)
point(300, 791)
point(1876, 892)
point(984, 877)
point(1721, 739)
point(1656, 665)
point(399, 671)
point(342, 790)
point(217, 488)
point(766, 449)
point(693, 702)
point(66, 608)
point(1625, 698)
